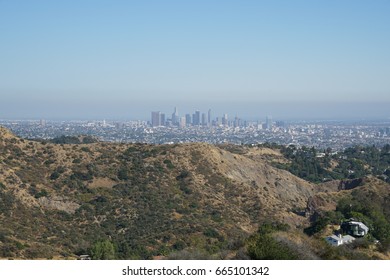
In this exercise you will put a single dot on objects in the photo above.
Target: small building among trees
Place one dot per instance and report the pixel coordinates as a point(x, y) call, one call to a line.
point(354, 228)
point(337, 240)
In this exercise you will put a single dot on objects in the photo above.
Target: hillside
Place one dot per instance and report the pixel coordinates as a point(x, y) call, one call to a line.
point(149, 201)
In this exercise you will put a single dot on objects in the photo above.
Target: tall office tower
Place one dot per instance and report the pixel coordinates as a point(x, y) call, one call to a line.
point(162, 119)
point(204, 119)
point(156, 118)
point(225, 120)
point(196, 118)
point(182, 122)
point(268, 122)
point(237, 122)
point(209, 117)
point(42, 122)
point(175, 116)
point(188, 119)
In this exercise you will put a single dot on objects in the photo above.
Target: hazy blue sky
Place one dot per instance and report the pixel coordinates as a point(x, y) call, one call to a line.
point(123, 59)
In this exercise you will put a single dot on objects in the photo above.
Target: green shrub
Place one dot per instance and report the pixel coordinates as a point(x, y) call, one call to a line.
point(169, 164)
point(42, 193)
point(265, 247)
point(55, 175)
point(103, 250)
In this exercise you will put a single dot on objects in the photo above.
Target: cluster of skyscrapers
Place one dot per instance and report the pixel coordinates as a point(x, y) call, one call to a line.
point(197, 119)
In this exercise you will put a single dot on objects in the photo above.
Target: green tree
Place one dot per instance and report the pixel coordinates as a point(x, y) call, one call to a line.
point(103, 250)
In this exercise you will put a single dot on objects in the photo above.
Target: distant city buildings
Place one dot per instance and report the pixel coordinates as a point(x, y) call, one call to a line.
point(175, 117)
point(225, 120)
point(198, 119)
point(162, 119)
point(182, 122)
point(188, 119)
point(204, 120)
point(156, 118)
point(268, 123)
point(203, 127)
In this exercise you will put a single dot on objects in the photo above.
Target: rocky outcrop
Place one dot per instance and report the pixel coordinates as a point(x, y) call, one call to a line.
point(58, 203)
point(350, 184)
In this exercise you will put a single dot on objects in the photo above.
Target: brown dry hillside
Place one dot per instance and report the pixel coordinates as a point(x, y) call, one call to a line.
point(59, 200)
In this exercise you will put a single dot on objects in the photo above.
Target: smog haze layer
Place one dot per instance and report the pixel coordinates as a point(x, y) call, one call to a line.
point(124, 59)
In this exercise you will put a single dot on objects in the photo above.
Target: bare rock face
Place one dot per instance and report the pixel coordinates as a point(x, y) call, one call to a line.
point(350, 184)
point(58, 203)
point(254, 183)
point(316, 205)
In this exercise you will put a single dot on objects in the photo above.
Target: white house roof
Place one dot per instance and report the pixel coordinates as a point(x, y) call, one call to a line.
point(337, 240)
point(361, 225)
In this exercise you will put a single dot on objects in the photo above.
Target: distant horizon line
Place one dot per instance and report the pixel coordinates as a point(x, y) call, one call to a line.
point(292, 119)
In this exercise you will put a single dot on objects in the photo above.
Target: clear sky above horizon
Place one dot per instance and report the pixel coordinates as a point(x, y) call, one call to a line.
point(123, 59)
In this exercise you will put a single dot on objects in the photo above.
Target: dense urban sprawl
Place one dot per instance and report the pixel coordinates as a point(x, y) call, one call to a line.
point(325, 134)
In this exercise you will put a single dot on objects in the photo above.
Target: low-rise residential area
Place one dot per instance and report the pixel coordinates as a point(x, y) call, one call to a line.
point(336, 135)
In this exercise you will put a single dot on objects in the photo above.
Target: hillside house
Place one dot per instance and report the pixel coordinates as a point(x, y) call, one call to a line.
point(338, 240)
point(356, 229)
